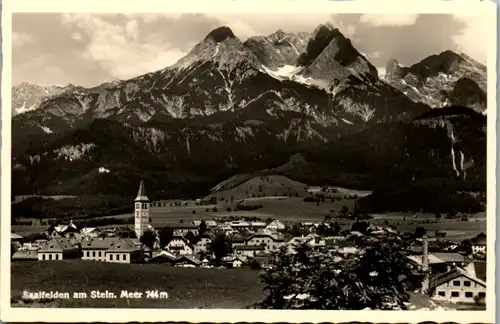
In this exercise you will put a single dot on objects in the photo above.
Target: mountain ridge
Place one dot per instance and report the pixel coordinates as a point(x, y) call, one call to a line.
point(228, 107)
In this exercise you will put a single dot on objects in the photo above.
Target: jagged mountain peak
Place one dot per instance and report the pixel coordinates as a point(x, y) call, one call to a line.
point(441, 79)
point(220, 34)
point(324, 27)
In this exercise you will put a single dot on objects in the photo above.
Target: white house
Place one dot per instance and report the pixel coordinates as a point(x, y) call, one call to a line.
point(202, 245)
point(90, 232)
point(458, 285)
point(123, 251)
point(110, 250)
point(179, 245)
point(312, 240)
point(479, 247)
point(276, 225)
point(269, 242)
point(57, 249)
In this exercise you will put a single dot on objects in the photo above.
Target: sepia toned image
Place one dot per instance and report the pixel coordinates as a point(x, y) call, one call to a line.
point(246, 160)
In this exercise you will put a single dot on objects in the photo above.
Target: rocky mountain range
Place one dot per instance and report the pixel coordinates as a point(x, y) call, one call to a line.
point(230, 106)
point(440, 80)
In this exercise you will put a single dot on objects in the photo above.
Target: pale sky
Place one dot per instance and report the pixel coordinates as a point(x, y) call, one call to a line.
point(87, 50)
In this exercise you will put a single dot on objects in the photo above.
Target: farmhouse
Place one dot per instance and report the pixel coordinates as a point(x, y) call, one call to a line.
point(58, 249)
point(269, 242)
point(69, 230)
point(312, 240)
point(479, 247)
point(458, 285)
point(184, 260)
point(203, 244)
point(90, 232)
point(164, 257)
point(180, 245)
point(276, 225)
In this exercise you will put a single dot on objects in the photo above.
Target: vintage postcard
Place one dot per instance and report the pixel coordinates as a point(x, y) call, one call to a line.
point(261, 161)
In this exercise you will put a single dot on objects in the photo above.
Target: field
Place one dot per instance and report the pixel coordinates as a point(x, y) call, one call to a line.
point(186, 287)
point(282, 208)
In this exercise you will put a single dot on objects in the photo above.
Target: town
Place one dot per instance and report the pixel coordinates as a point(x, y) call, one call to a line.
point(457, 271)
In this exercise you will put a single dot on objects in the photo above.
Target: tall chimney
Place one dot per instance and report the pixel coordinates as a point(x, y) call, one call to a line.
point(425, 263)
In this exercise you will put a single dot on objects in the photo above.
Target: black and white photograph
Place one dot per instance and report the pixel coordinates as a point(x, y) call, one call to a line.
point(251, 160)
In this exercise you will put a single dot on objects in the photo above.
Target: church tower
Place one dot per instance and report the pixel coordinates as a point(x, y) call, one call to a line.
point(141, 211)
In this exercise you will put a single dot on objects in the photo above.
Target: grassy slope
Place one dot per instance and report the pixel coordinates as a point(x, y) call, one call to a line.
point(187, 287)
point(272, 185)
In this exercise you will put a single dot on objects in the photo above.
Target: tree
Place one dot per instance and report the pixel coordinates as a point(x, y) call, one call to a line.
point(166, 234)
point(419, 232)
point(194, 211)
point(437, 215)
point(335, 228)
point(193, 239)
point(465, 247)
point(344, 210)
point(378, 278)
point(220, 247)
point(214, 209)
point(202, 228)
point(361, 227)
point(148, 238)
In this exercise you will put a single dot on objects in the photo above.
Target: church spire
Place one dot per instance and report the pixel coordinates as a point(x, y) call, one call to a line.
point(141, 194)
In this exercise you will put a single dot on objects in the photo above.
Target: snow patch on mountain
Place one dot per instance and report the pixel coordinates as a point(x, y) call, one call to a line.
point(46, 129)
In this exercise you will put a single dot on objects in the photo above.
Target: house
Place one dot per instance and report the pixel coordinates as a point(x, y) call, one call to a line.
point(210, 223)
point(163, 257)
point(276, 225)
point(69, 230)
point(451, 259)
point(237, 240)
point(441, 262)
point(123, 251)
point(15, 237)
point(58, 249)
point(311, 240)
point(205, 263)
point(184, 228)
point(90, 232)
point(457, 285)
point(239, 225)
point(248, 250)
point(95, 249)
point(270, 242)
point(187, 260)
point(203, 244)
point(25, 255)
point(238, 261)
point(180, 245)
point(479, 246)
point(257, 225)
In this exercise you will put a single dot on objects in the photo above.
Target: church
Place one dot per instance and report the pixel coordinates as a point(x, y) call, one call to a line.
point(142, 210)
